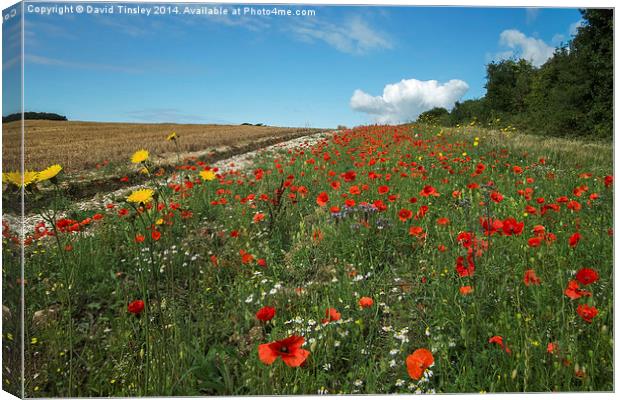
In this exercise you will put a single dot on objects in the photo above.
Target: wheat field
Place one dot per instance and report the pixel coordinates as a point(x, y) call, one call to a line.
point(80, 145)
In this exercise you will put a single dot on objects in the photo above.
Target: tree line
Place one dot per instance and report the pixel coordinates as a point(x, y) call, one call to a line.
point(34, 115)
point(570, 95)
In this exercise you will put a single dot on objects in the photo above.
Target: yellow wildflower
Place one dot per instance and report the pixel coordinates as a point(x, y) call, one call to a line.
point(16, 178)
point(141, 196)
point(171, 137)
point(207, 175)
point(49, 173)
point(140, 156)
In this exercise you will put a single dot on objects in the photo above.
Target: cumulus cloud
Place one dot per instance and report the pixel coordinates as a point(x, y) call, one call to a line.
point(534, 50)
point(406, 100)
point(353, 36)
point(575, 26)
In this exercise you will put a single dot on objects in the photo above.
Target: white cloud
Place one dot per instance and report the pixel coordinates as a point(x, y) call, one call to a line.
point(353, 36)
point(534, 50)
point(557, 39)
point(574, 26)
point(531, 14)
point(406, 100)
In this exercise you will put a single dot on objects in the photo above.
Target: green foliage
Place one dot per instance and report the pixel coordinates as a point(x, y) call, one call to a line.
point(434, 116)
point(34, 115)
point(569, 95)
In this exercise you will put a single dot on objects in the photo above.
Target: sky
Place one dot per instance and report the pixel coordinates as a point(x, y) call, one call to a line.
point(346, 65)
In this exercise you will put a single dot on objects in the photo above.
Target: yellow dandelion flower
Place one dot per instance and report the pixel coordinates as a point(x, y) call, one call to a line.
point(207, 175)
point(49, 173)
point(140, 156)
point(159, 221)
point(19, 180)
point(141, 196)
point(171, 137)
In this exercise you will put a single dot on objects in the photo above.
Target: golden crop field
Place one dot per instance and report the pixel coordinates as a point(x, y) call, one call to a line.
point(81, 145)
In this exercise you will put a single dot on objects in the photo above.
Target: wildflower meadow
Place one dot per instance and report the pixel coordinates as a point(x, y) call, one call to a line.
point(374, 260)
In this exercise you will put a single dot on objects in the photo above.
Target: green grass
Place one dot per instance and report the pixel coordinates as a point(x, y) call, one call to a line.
point(198, 334)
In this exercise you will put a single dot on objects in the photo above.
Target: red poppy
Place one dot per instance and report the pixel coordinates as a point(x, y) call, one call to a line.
point(609, 180)
point(443, 221)
point(530, 278)
point(417, 231)
point(465, 290)
point(262, 263)
point(421, 212)
point(246, 257)
point(587, 276)
point(500, 342)
point(322, 199)
point(573, 291)
point(156, 235)
point(496, 196)
point(266, 313)
point(574, 239)
point(587, 312)
point(383, 189)
point(429, 191)
point(331, 314)
point(349, 176)
point(534, 242)
point(258, 217)
point(418, 361)
point(460, 266)
point(366, 302)
point(288, 349)
point(404, 214)
point(136, 307)
point(139, 238)
point(512, 227)
point(552, 348)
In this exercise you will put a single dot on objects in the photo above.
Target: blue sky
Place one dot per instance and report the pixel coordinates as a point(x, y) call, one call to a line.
point(320, 71)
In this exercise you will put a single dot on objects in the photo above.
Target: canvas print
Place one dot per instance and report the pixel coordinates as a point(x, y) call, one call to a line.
point(205, 199)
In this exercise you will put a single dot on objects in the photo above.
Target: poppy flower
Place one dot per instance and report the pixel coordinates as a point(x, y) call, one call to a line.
point(465, 290)
point(530, 278)
point(587, 276)
point(461, 269)
point(322, 199)
point(331, 314)
point(418, 361)
point(366, 302)
point(246, 257)
point(288, 349)
point(552, 347)
point(258, 217)
point(429, 191)
point(156, 235)
point(417, 231)
point(534, 242)
point(573, 291)
point(266, 313)
point(609, 180)
point(500, 342)
point(574, 239)
point(404, 214)
point(496, 196)
point(443, 221)
point(349, 176)
point(136, 307)
point(511, 227)
point(383, 189)
point(587, 312)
